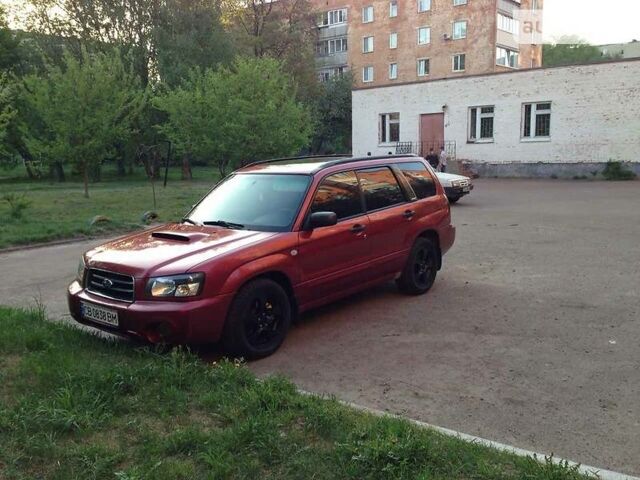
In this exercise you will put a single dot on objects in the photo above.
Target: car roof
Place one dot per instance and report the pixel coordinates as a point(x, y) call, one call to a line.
point(311, 164)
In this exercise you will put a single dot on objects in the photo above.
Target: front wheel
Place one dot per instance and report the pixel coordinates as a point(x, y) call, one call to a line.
point(420, 271)
point(258, 320)
point(453, 199)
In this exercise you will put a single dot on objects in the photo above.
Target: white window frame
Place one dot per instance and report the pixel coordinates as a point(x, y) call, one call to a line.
point(508, 24)
point(478, 124)
point(428, 35)
point(509, 54)
point(453, 30)
point(393, 40)
point(333, 17)
point(427, 62)
point(393, 8)
point(387, 120)
point(393, 71)
point(366, 18)
point(367, 44)
point(535, 111)
point(424, 5)
point(453, 62)
point(457, 3)
point(365, 69)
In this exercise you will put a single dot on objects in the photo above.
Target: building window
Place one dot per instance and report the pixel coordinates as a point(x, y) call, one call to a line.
point(393, 71)
point(393, 40)
point(481, 123)
point(367, 74)
point(367, 14)
point(459, 29)
point(333, 17)
point(459, 61)
point(331, 47)
point(423, 67)
point(393, 8)
point(327, 74)
point(367, 45)
point(389, 128)
point(507, 58)
point(508, 24)
point(459, 2)
point(536, 120)
point(424, 5)
point(424, 35)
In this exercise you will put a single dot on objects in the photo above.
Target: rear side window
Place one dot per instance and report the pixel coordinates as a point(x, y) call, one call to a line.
point(380, 188)
point(419, 178)
point(338, 193)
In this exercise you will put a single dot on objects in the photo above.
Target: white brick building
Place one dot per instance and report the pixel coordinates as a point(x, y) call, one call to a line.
point(563, 121)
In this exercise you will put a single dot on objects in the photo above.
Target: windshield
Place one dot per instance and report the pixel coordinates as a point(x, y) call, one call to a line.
point(263, 202)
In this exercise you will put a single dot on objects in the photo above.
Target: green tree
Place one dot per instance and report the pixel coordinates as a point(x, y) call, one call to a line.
point(7, 114)
point(571, 50)
point(332, 115)
point(8, 44)
point(234, 115)
point(77, 112)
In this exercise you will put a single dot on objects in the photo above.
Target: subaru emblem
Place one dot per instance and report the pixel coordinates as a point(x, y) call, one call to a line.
point(106, 283)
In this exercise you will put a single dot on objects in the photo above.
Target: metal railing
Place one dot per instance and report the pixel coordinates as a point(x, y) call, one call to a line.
point(423, 148)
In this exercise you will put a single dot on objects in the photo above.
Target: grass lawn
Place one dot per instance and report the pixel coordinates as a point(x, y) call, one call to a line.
point(73, 405)
point(59, 210)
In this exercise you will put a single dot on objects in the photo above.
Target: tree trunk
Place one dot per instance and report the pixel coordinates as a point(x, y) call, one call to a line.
point(186, 168)
point(85, 176)
point(56, 171)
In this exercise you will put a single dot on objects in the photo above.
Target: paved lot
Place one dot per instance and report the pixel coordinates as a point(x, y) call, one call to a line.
point(531, 335)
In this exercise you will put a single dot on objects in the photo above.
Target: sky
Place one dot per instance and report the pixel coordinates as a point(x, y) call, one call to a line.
point(597, 21)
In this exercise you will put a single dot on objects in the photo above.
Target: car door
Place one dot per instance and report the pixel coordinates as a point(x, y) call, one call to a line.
point(334, 259)
point(390, 216)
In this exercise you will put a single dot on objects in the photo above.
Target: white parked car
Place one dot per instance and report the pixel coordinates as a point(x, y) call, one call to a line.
point(455, 186)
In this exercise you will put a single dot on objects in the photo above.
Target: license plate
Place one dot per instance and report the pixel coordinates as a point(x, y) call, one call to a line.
point(99, 314)
point(466, 189)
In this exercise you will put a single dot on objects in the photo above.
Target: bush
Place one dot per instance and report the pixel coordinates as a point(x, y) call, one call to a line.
point(17, 204)
point(616, 171)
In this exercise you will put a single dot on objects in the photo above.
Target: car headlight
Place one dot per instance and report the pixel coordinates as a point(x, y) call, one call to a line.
point(455, 183)
point(80, 273)
point(187, 285)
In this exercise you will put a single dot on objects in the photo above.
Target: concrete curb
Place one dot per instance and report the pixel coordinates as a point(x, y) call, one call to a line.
point(584, 469)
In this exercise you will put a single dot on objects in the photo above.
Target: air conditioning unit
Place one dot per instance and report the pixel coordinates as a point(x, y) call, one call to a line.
point(446, 36)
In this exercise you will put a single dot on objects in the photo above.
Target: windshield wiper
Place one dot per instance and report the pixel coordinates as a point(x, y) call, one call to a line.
point(188, 220)
point(224, 224)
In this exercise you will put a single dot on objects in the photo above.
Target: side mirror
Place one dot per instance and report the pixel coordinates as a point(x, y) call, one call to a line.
point(321, 219)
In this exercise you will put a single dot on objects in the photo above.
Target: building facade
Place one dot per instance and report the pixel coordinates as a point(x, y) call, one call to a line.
point(396, 41)
point(537, 122)
point(622, 50)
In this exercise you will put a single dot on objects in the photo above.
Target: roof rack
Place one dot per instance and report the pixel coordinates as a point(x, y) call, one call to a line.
point(364, 159)
point(303, 157)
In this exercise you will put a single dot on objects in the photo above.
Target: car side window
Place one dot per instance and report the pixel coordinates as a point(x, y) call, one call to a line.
point(339, 193)
point(421, 181)
point(380, 187)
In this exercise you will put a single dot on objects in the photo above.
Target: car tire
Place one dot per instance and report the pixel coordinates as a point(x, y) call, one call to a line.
point(453, 199)
point(421, 268)
point(258, 320)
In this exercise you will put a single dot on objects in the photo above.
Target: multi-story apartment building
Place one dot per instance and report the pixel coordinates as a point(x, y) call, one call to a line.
point(394, 41)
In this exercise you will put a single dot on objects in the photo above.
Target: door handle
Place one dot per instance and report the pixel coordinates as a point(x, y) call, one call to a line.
point(408, 214)
point(357, 228)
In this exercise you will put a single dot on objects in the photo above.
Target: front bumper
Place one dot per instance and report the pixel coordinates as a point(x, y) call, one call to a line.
point(192, 322)
point(458, 191)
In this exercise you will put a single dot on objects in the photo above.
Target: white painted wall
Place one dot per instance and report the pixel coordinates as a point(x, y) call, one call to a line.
point(595, 113)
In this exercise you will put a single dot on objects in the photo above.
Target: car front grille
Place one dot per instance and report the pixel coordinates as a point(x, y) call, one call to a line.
point(110, 284)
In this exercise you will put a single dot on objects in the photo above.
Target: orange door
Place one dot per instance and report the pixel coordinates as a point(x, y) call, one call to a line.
point(431, 133)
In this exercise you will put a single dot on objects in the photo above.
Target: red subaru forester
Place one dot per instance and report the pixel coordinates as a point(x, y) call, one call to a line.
point(273, 239)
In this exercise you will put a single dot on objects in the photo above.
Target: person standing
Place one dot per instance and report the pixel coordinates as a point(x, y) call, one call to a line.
point(442, 161)
point(432, 158)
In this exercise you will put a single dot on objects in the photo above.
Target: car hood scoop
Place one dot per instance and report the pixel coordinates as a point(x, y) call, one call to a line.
point(179, 237)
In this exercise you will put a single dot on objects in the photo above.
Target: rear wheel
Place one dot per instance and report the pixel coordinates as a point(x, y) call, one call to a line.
point(258, 320)
point(422, 266)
